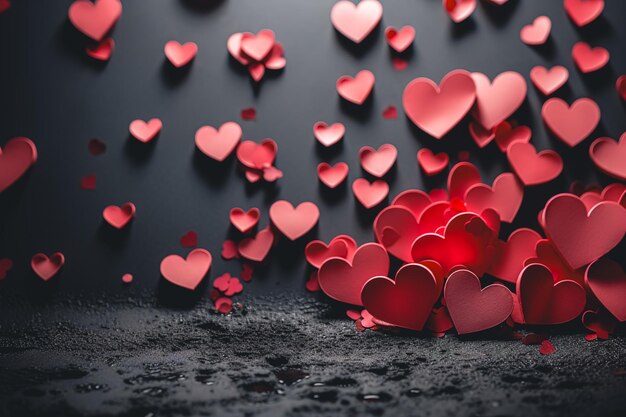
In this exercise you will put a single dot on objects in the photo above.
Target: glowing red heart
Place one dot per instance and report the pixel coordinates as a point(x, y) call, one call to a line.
point(328, 135)
point(244, 221)
point(537, 33)
point(189, 272)
point(145, 132)
point(583, 12)
point(218, 144)
point(378, 162)
point(504, 196)
point(370, 194)
point(400, 40)
point(533, 168)
point(46, 267)
point(95, 19)
point(462, 176)
point(505, 134)
point(256, 249)
point(510, 256)
point(17, 156)
point(589, 59)
point(317, 252)
point(342, 280)
point(257, 155)
point(497, 100)
point(459, 10)
point(609, 156)
point(101, 51)
point(119, 217)
point(436, 110)
point(294, 222)
point(332, 176)
point(180, 55)
point(356, 21)
point(432, 164)
point(473, 309)
point(549, 80)
point(356, 90)
point(607, 281)
point(258, 46)
point(406, 301)
point(542, 301)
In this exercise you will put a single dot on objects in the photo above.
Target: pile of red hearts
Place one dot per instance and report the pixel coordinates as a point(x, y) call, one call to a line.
point(258, 52)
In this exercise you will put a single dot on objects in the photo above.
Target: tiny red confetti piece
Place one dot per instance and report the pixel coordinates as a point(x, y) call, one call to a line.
point(127, 278)
point(246, 272)
point(353, 314)
point(399, 64)
point(101, 51)
point(96, 147)
point(221, 283)
point(248, 113)
point(5, 265)
point(620, 85)
point(234, 287)
point(312, 284)
point(88, 182)
point(547, 348)
point(189, 239)
point(5, 5)
point(390, 113)
point(224, 305)
point(229, 250)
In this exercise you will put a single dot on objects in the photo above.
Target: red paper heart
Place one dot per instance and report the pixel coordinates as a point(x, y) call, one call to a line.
point(390, 113)
point(96, 147)
point(510, 256)
point(95, 19)
point(88, 182)
point(328, 135)
point(101, 51)
point(119, 217)
point(610, 156)
point(473, 309)
point(436, 110)
point(505, 134)
point(244, 221)
point(218, 144)
point(459, 10)
point(145, 132)
point(343, 280)
point(589, 59)
point(180, 55)
point(401, 39)
point(317, 252)
point(537, 33)
point(548, 256)
point(481, 136)
point(356, 90)
point(257, 248)
point(542, 301)
point(275, 60)
point(5, 5)
point(16, 157)
point(356, 21)
point(399, 64)
point(257, 155)
point(462, 176)
point(370, 195)
point(401, 221)
point(579, 236)
point(47, 267)
point(601, 322)
point(378, 162)
point(234, 47)
point(432, 164)
point(504, 196)
point(189, 272)
point(607, 281)
point(294, 222)
point(5, 266)
point(497, 100)
point(189, 239)
point(549, 80)
point(415, 200)
point(583, 12)
point(258, 46)
point(406, 302)
point(533, 168)
point(332, 176)
point(620, 85)
point(256, 70)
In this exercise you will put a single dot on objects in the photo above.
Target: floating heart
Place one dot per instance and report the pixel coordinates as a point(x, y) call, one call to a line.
point(481, 136)
point(328, 135)
point(244, 221)
point(497, 100)
point(510, 256)
point(356, 21)
point(342, 280)
point(332, 176)
point(378, 162)
point(473, 309)
point(218, 144)
point(549, 80)
point(16, 157)
point(610, 156)
point(406, 302)
point(356, 90)
point(504, 196)
point(101, 51)
point(400, 40)
point(47, 267)
point(145, 132)
point(189, 239)
point(180, 55)
point(505, 134)
point(95, 19)
point(589, 59)
point(538, 32)
point(432, 164)
point(543, 301)
point(620, 85)
point(583, 12)
point(276, 60)
point(294, 222)
point(607, 281)
point(5, 266)
point(256, 249)
point(119, 217)
point(234, 47)
point(459, 10)
point(579, 236)
point(390, 113)
point(258, 46)
point(436, 110)
point(317, 252)
point(189, 272)
point(370, 195)
point(462, 176)
point(533, 168)
point(257, 156)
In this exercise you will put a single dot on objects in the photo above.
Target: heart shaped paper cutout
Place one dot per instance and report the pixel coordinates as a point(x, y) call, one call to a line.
point(537, 33)
point(356, 21)
point(370, 194)
point(294, 222)
point(189, 239)
point(5, 266)
point(505, 134)
point(414, 200)
point(497, 100)
point(533, 168)
point(504, 196)
point(356, 90)
point(548, 256)
point(180, 55)
point(400, 40)
point(342, 280)
point(189, 272)
point(462, 176)
point(46, 267)
point(334, 175)
point(16, 157)
point(432, 164)
point(234, 47)
point(399, 219)
point(437, 109)
point(218, 144)
point(607, 281)
point(620, 86)
point(610, 156)
point(145, 132)
point(583, 12)
point(244, 221)
point(589, 59)
point(317, 252)
point(258, 46)
point(481, 136)
point(328, 135)
point(473, 309)
point(510, 256)
point(257, 155)
point(119, 217)
point(378, 162)
point(95, 19)
point(459, 10)
point(406, 301)
point(256, 249)
point(549, 80)
point(101, 51)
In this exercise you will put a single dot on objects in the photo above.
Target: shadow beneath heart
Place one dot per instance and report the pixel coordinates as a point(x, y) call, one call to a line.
point(138, 152)
point(172, 296)
point(499, 15)
point(173, 76)
point(202, 6)
point(359, 49)
point(213, 173)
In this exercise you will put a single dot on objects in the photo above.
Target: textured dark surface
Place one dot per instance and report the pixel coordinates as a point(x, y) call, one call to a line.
point(78, 346)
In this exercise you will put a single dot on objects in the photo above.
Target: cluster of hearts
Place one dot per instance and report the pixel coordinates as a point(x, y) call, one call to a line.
point(447, 239)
